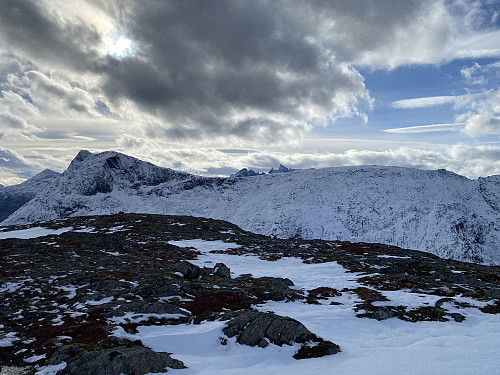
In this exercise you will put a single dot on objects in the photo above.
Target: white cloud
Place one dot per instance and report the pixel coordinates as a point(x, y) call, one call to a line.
point(58, 96)
point(477, 114)
point(426, 128)
point(469, 160)
point(424, 102)
point(478, 125)
point(483, 115)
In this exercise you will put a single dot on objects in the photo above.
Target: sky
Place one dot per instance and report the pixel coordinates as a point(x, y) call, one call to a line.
point(210, 87)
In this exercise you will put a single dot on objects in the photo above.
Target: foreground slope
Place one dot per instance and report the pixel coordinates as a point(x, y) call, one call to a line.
point(435, 211)
point(135, 294)
point(14, 196)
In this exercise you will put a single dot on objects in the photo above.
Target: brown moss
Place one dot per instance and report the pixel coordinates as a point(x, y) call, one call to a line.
point(492, 309)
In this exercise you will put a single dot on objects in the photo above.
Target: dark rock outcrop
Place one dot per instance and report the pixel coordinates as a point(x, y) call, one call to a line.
point(251, 327)
point(221, 270)
point(255, 328)
point(135, 360)
point(188, 270)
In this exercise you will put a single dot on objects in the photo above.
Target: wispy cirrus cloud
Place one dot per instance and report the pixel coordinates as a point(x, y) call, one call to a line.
point(425, 102)
point(476, 114)
point(427, 128)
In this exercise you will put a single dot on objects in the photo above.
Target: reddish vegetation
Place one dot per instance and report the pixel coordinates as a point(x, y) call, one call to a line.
point(90, 331)
point(218, 301)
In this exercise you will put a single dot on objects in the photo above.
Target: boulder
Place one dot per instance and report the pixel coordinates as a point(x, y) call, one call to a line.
point(135, 360)
point(189, 270)
point(251, 327)
point(255, 328)
point(221, 270)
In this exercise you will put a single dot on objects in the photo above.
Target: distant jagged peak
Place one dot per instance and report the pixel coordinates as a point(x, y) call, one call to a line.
point(244, 172)
point(281, 169)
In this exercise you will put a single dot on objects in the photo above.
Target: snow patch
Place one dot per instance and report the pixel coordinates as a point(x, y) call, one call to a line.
point(34, 232)
point(51, 370)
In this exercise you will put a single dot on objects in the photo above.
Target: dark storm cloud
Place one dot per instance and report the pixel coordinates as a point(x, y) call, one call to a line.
point(237, 68)
point(227, 65)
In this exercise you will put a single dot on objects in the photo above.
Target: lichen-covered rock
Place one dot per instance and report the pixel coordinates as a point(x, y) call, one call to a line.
point(64, 352)
point(135, 360)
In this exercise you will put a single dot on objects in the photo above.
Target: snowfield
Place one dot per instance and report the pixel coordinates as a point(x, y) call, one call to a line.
point(33, 232)
point(435, 211)
point(389, 347)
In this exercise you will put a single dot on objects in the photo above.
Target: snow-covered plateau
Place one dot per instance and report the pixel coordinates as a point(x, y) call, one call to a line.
point(431, 210)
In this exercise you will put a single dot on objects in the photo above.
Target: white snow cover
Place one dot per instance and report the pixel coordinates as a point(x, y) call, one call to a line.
point(33, 232)
point(389, 347)
point(435, 211)
point(8, 339)
point(51, 369)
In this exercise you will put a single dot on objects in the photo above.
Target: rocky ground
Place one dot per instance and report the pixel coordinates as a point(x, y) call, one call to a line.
point(64, 297)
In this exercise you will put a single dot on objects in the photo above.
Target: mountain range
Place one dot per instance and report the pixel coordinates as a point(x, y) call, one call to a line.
point(431, 210)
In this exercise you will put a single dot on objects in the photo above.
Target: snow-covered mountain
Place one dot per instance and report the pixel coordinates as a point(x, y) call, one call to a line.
point(435, 211)
point(14, 196)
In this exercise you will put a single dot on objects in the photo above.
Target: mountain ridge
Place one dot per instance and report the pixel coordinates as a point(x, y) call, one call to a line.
point(14, 196)
point(436, 211)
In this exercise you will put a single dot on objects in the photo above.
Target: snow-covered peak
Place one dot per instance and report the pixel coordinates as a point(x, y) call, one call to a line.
point(97, 173)
point(14, 196)
point(35, 183)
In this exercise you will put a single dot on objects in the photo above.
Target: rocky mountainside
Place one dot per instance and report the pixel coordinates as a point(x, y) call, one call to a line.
point(14, 196)
point(430, 210)
point(137, 294)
